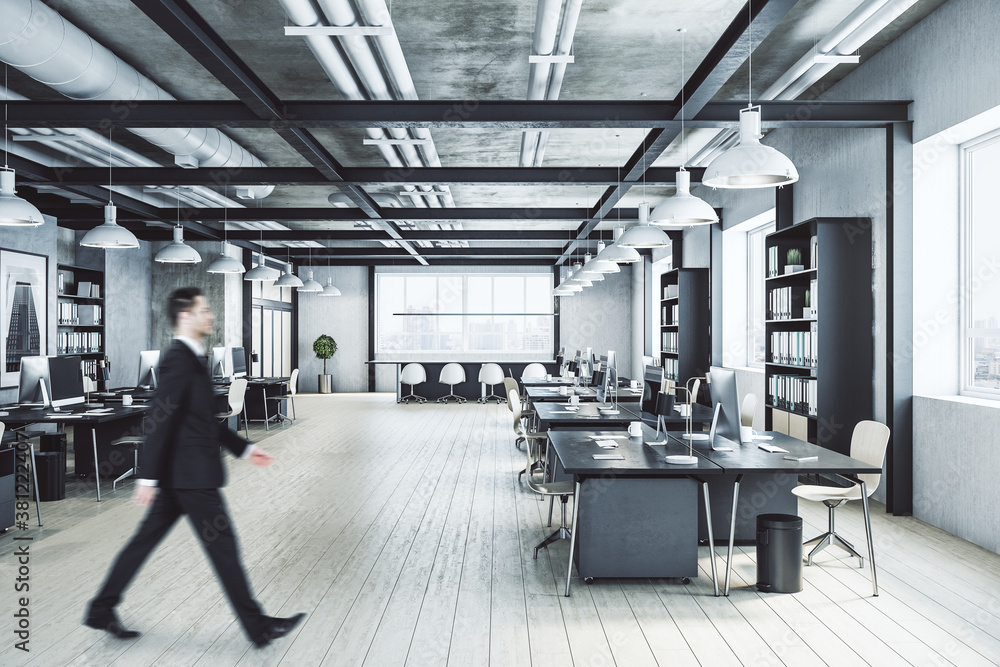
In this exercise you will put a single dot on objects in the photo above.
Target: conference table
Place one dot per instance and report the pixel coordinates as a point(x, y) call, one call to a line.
point(639, 516)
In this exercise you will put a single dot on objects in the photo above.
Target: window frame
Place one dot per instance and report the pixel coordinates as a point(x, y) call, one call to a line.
point(756, 272)
point(967, 331)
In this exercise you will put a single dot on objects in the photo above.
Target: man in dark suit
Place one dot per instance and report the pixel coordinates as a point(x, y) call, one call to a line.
point(181, 471)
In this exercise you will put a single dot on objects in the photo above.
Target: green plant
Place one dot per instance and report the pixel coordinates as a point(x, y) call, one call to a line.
point(324, 347)
point(794, 256)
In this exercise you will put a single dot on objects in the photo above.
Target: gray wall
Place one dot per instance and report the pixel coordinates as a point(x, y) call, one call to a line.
point(595, 317)
point(40, 241)
point(345, 318)
point(128, 310)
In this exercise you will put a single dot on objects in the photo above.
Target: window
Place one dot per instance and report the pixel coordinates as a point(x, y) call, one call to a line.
point(756, 295)
point(979, 292)
point(500, 314)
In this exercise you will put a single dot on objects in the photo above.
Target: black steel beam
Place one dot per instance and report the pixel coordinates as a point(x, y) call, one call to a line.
point(434, 261)
point(529, 235)
point(383, 251)
point(514, 115)
point(361, 177)
point(441, 215)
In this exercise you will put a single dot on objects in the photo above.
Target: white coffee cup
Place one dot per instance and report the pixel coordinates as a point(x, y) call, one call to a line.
point(634, 384)
point(684, 409)
point(126, 399)
point(563, 390)
point(635, 429)
point(574, 400)
point(746, 434)
point(548, 378)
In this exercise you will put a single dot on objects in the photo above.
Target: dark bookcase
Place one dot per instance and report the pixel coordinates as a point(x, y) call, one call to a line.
point(819, 354)
point(80, 314)
point(685, 324)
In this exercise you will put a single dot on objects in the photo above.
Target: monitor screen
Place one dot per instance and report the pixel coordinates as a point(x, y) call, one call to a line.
point(652, 381)
point(722, 388)
point(34, 374)
point(66, 381)
point(149, 360)
point(611, 362)
point(239, 367)
point(219, 362)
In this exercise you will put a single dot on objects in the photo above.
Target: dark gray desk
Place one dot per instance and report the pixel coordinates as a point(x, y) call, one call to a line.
point(548, 394)
point(636, 517)
point(556, 381)
point(261, 389)
point(760, 482)
point(555, 416)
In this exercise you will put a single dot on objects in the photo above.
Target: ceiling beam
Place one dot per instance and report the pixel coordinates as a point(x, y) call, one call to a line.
point(383, 251)
point(359, 177)
point(186, 27)
point(405, 261)
point(513, 115)
point(528, 235)
point(722, 61)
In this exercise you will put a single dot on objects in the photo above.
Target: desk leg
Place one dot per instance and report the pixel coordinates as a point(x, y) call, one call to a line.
point(97, 467)
point(572, 536)
point(263, 399)
point(399, 387)
point(34, 475)
point(732, 531)
point(868, 533)
point(711, 538)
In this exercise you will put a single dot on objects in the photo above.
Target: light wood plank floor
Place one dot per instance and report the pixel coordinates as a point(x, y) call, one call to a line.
point(403, 534)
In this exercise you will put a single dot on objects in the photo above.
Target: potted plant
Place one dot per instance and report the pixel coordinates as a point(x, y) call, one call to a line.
point(325, 347)
point(793, 263)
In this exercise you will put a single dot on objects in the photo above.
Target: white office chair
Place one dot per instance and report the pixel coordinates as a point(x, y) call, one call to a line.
point(413, 374)
point(451, 375)
point(492, 375)
point(534, 371)
point(289, 396)
point(868, 443)
point(748, 409)
point(237, 404)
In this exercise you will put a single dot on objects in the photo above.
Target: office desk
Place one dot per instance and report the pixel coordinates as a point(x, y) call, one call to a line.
point(556, 416)
point(548, 394)
point(637, 517)
point(759, 482)
point(258, 391)
point(556, 381)
point(102, 428)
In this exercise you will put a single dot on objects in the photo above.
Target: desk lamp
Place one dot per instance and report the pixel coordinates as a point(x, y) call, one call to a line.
point(692, 392)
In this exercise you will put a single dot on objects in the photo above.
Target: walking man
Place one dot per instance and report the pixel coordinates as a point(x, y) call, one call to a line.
point(181, 471)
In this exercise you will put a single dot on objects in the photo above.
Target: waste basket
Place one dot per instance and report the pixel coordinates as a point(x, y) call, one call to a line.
point(51, 480)
point(779, 553)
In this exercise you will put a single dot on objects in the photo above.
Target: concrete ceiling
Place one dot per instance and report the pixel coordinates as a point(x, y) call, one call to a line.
point(471, 52)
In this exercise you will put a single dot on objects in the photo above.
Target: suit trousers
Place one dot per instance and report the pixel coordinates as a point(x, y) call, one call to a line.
point(208, 516)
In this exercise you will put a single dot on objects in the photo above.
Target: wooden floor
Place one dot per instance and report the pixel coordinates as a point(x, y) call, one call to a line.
point(402, 532)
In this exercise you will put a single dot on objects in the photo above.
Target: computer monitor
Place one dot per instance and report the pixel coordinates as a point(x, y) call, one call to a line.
point(652, 381)
point(33, 382)
point(66, 381)
point(722, 388)
point(611, 361)
point(239, 368)
point(219, 364)
point(149, 361)
point(607, 389)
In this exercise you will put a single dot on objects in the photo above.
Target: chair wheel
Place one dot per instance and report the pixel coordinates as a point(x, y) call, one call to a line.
point(588, 580)
point(686, 580)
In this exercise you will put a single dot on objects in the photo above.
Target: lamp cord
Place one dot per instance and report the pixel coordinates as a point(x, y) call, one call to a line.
point(683, 82)
point(110, 199)
point(6, 134)
point(750, 59)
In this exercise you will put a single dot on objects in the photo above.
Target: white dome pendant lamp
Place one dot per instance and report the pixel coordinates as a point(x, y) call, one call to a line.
point(644, 235)
point(178, 252)
point(750, 164)
point(110, 234)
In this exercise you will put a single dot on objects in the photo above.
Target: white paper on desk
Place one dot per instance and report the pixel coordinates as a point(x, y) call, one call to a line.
point(608, 457)
point(572, 408)
point(763, 437)
point(608, 437)
point(562, 412)
point(607, 444)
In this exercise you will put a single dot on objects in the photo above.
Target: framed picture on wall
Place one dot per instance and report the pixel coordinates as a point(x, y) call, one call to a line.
point(24, 315)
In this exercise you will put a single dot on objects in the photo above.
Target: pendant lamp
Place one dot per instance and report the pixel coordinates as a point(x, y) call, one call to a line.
point(110, 234)
point(588, 271)
point(225, 264)
point(644, 235)
point(329, 289)
point(310, 285)
point(288, 278)
point(600, 265)
point(14, 211)
point(178, 252)
point(616, 253)
point(261, 272)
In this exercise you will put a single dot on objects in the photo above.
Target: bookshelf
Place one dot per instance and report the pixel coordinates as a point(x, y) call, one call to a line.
point(685, 324)
point(80, 314)
point(819, 356)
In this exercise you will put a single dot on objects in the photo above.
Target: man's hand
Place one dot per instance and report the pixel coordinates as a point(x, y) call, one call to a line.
point(143, 494)
point(260, 458)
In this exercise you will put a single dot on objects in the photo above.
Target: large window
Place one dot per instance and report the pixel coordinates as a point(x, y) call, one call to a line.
point(980, 278)
point(271, 331)
point(446, 315)
point(756, 294)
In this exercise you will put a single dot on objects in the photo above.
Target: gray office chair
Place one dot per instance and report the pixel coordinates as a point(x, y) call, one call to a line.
point(527, 416)
point(413, 374)
point(747, 409)
point(534, 476)
point(868, 443)
point(135, 442)
point(237, 404)
point(288, 396)
point(451, 375)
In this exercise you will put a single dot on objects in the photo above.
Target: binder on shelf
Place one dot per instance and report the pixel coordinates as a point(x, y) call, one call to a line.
point(95, 291)
point(83, 288)
point(88, 314)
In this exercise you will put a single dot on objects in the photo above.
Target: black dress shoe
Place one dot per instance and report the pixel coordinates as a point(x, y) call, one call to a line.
point(277, 627)
point(110, 624)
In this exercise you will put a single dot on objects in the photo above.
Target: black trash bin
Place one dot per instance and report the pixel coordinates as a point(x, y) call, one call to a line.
point(779, 553)
point(51, 480)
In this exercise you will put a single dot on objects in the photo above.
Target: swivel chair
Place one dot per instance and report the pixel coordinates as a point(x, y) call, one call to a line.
point(289, 396)
point(451, 375)
point(747, 409)
point(413, 374)
point(237, 404)
point(534, 370)
point(868, 443)
point(492, 375)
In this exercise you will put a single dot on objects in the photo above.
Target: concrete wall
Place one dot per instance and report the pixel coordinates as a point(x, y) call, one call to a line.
point(345, 318)
point(596, 318)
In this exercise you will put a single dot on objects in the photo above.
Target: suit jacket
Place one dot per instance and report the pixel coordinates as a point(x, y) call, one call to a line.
point(183, 443)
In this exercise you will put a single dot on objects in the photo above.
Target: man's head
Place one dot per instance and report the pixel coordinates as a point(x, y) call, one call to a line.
point(190, 313)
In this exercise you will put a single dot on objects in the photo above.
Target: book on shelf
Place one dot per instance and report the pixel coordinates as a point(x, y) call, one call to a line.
point(796, 348)
point(95, 291)
point(60, 284)
point(794, 393)
point(88, 314)
point(670, 291)
point(78, 342)
point(772, 261)
point(83, 288)
point(670, 367)
point(669, 342)
point(668, 315)
point(813, 253)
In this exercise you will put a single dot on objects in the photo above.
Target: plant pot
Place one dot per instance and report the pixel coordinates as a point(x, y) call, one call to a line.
point(326, 384)
point(793, 268)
